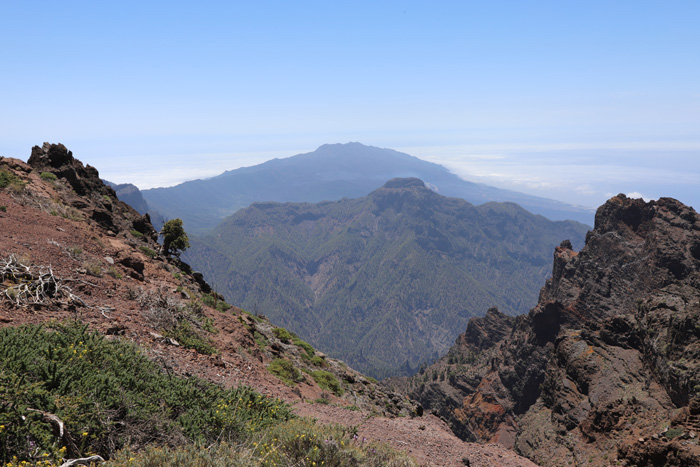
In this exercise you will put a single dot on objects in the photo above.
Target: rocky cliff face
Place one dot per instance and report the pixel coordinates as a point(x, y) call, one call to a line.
point(605, 367)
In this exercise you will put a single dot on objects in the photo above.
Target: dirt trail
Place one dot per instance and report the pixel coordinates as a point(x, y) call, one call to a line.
point(427, 439)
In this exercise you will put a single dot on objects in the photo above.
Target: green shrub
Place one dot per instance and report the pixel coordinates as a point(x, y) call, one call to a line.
point(93, 269)
point(673, 432)
point(315, 360)
point(282, 334)
point(212, 300)
point(108, 393)
point(256, 318)
point(3, 208)
point(136, 233)
point(327, 381)
point(310, 351)
point(8, 179)
point(261, 340)
point(48, 176)
point(188, 337)
point(148, 252)
point(208, 325)
point(285, 370)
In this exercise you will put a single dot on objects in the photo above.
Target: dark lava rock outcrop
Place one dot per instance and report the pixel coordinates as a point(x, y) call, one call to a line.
point(604, 370)
point(90, 194)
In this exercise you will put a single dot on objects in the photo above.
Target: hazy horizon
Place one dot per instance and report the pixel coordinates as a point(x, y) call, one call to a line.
point(574, 102)
point(507, 173)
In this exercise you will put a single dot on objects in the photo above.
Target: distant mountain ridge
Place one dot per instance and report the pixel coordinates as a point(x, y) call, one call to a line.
point(387, 280)
point(131, 195)
point(331, 172)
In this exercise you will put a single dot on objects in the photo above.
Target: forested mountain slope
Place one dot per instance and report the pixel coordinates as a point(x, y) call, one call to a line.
point(384, 281)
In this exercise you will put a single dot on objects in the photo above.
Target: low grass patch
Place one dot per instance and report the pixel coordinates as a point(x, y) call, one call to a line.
point(93, 269)
point(183, 321)
point(148, 251)
point(297, 442)
point(112, 271)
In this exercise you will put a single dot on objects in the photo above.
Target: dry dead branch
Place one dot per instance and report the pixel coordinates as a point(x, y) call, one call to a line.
point(24, 285)
point(83, 461)
point(59, 430)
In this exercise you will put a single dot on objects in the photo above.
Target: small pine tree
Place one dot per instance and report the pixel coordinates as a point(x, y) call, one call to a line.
point(175, 240)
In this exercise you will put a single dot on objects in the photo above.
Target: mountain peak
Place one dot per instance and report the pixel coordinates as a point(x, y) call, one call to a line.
point(350, 144)
point(331, 172)
point(404, 183)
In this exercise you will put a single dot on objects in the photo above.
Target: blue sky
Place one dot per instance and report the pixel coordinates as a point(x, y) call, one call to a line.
point(570, 100)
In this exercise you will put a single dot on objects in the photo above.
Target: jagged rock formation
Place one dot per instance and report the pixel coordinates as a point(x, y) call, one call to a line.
point(605, 368)
point(90, 195)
